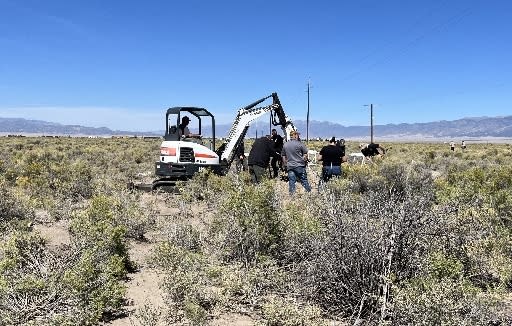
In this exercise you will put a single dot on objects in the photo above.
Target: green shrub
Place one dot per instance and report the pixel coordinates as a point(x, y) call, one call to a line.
point(14, 212)
point(447, 301)
point(480, 234)
point(367, 242)
point(99, 226)
point(249, 222)
point(70, 287)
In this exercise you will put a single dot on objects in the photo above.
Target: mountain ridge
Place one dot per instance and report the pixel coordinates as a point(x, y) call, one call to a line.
point(500, 126)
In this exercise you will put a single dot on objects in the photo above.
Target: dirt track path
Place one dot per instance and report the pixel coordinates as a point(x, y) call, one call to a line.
point(142, 287)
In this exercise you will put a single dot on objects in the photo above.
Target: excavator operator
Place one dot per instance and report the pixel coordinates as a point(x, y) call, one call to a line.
point(184, 131)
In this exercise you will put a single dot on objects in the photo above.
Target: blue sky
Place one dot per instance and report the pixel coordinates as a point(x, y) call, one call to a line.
point(120, 64)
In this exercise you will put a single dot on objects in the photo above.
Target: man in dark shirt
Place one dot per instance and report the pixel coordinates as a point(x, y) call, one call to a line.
point(278, 145)
point(240, 159)
point(372, 149)
point(331, 157)
point(259, 157)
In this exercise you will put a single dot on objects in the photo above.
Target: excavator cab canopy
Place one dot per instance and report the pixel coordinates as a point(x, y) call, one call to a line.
point(173, 119)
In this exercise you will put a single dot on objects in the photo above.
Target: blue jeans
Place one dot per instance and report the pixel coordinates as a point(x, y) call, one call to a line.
point(299, 173)
point(329, 171)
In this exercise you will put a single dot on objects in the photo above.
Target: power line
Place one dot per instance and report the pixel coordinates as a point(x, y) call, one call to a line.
point(413, 42)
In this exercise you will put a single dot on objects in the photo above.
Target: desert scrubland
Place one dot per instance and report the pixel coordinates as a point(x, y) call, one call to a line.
point(423, 236)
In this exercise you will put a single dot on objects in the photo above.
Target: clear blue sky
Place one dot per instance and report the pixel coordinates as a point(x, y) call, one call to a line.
point(120, 64)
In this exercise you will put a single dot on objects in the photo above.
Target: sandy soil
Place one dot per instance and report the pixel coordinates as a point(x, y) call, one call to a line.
point(143, 286)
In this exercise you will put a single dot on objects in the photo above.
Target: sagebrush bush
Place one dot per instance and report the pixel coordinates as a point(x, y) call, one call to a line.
point(100, 226)
point(198, 287)
point(480, 234)
point(248, 224)
point(447, 301)
point(68, 287)
point(368, 241)
point(14, 212)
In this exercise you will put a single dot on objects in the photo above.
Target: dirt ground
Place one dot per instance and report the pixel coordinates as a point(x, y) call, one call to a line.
point(143, 285)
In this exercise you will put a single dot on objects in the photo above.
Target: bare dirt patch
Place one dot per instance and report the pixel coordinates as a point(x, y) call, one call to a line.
point(56, 233)
point(143, 286)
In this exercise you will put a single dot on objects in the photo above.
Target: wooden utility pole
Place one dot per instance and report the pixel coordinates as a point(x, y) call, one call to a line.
point(307, 119)
point(371, 121)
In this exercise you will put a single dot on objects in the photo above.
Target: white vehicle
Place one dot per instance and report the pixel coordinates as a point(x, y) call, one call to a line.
point(181, 157)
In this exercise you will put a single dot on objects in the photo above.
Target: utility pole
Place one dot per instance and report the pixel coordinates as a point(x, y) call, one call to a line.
point(307, 119)
point(371, 122)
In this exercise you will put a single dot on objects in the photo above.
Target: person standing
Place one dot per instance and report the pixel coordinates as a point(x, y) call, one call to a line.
point(463, 145)
point(240, 159)
point(278, 145)
point(341, 143)
point(259, 157)
point(452, 146)
point(295, 155)
point(331, 157)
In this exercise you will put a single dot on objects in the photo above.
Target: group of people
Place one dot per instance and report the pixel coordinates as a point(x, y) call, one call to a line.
point(292, 157)
point(462, 145)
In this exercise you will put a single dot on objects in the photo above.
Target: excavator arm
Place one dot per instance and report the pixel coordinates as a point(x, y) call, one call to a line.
point(248, 114)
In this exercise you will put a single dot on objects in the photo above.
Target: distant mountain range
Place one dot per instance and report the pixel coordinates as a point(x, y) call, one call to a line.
point(466, 127)
point(21, 126)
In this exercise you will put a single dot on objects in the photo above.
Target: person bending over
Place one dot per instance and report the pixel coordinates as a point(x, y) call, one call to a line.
point(370, 150)
point(259, 157)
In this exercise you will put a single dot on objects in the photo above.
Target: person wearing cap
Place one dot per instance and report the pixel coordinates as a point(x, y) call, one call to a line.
point(259, 157)
point(331, 157)
point(295, 155)
point(184, 131)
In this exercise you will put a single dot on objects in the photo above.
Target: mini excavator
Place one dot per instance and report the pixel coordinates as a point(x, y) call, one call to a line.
point(181, 157)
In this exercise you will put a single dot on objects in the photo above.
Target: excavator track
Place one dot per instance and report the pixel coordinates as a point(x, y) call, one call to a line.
point(157, 185)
